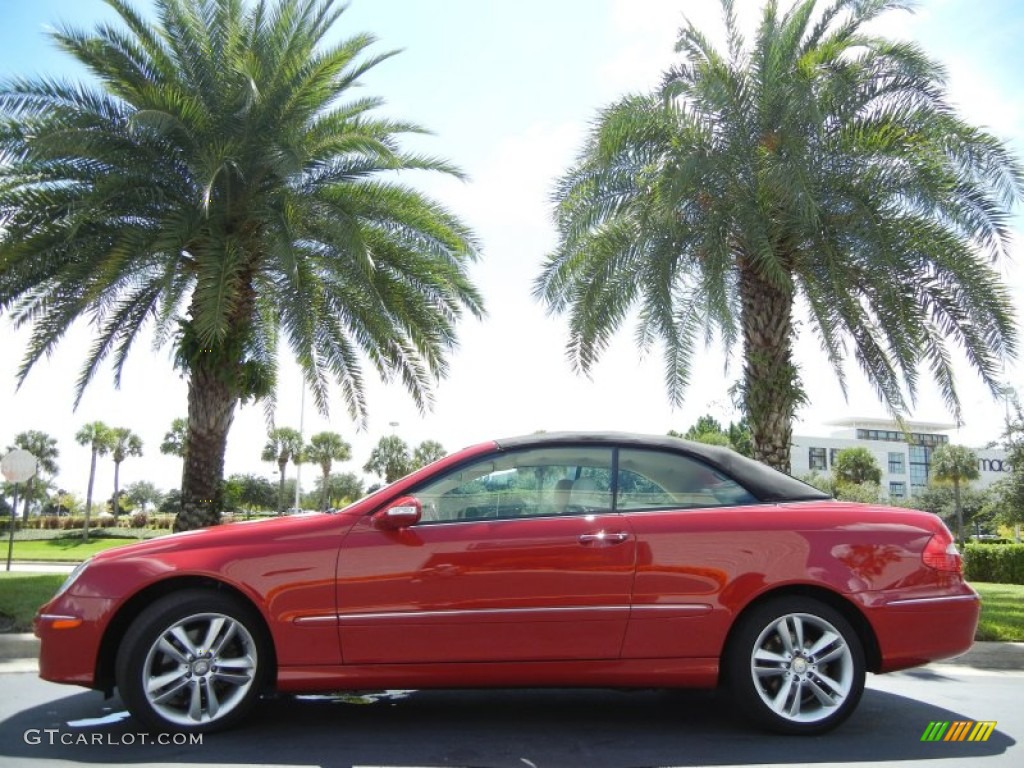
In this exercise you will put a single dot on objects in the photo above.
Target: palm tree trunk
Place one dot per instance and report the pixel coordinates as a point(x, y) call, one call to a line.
point(116, 506)
point(770, 384)
point(326, 468)
point(280, 486)
point(211, 409)
point(959, 513)
point(88, 494)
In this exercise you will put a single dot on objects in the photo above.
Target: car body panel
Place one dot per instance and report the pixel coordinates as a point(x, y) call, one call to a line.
point(486, 590)
point(526, 601)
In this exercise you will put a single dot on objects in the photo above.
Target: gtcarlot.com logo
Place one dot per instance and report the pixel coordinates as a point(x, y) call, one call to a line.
point(960, 730)
point(55, 736)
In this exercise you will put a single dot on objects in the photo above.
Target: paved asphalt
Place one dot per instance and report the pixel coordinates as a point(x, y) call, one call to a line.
point(42, 723)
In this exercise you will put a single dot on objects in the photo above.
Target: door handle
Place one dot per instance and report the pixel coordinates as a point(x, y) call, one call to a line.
point(604, 537)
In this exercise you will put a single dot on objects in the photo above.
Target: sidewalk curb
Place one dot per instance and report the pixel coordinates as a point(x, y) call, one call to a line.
point(18, 646)
point(983, 655)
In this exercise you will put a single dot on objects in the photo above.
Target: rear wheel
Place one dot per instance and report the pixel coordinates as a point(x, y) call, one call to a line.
point(193, 661)
point(796, 665)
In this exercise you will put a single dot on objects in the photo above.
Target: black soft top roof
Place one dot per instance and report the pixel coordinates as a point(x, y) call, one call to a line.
point(762, 481)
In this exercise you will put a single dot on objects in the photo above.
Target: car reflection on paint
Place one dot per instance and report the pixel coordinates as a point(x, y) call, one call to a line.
point(574, 559)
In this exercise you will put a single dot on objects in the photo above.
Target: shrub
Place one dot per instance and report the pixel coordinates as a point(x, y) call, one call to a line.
point(138, 520)
point(998, 564)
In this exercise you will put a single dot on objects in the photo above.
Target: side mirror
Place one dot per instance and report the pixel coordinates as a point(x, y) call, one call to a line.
point(403, 513)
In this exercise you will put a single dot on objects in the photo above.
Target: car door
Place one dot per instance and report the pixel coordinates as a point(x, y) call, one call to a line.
point(517, 557)
point(688, 519)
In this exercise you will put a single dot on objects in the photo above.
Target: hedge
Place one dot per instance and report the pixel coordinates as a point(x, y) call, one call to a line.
point(995, 563)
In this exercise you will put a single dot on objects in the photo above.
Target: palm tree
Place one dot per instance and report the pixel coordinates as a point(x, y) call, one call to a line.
point(324, 449)
point(389, 459)
point(819, 165)
point(44, 448)
point(427, 452)
point(856, 466)
point(283, 445)
point(97, 436)
point(955, 464)
point(223, 182)
point(124, 443)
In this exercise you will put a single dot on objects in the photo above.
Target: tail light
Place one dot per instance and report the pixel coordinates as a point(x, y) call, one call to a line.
point(941, 553)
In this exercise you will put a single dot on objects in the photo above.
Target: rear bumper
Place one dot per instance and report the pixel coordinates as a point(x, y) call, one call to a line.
point(916, 630)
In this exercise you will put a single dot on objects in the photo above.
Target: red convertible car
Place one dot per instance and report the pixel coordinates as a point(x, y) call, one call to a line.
point(550, 560)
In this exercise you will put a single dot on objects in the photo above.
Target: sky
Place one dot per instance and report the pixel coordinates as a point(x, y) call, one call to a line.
point(508, 90)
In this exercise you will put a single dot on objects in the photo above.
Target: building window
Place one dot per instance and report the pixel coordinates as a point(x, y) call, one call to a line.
point(916, 438)
point(897, 490)
point(816, 459)
point(896, 466)
point(920, 461)
point(832, 453)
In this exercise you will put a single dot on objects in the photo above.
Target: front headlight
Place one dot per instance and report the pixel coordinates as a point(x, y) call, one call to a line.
point(72, 577)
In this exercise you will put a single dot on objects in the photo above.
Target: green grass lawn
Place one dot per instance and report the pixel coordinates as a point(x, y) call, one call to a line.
point(71, 550)
point(1002, 612)
point(21, 594)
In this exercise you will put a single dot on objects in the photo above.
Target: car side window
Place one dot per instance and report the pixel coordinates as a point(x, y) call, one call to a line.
point(530, 483)
point(660, 480)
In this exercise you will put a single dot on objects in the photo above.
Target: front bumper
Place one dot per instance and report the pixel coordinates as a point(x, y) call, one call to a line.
point(70, 629)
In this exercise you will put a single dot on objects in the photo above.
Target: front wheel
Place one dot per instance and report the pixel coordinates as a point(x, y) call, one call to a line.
point(193, 661)
point(796, 666)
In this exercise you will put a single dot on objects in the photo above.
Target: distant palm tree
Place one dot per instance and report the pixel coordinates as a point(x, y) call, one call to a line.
point(98, 437)
point(44, 448)
point(124, 443)
point(957, 465)
point(427, 452)
point(225, 184)
point(389, 459)
point(283, 445)
point(324, 449)
point(818, 166)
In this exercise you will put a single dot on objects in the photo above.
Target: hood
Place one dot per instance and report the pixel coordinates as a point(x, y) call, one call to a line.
point(225, 535)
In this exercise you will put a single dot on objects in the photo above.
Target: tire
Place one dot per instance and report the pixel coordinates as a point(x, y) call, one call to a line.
point(193, 662)
point(796, 666)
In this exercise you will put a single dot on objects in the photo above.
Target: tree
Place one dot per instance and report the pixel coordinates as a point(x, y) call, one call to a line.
point(98, 437)
point(708, 430)
point(819, 164)
point(44, 448)
point(1010, 501)
point(856, 466)
point(143, 494)
point(224, 184)
point(254, 492)
point(390, 459)
point(957, 465)
point(427, 452)
point(341, 488)
point(124, 443)
point(174, 439)
point(324, 449)
point(740, 438)
point(284, 444)
point(939, 499)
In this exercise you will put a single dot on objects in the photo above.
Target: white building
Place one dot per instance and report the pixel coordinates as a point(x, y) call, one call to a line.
point(905, 463)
